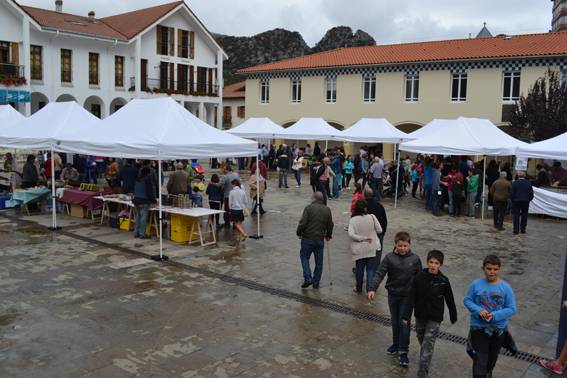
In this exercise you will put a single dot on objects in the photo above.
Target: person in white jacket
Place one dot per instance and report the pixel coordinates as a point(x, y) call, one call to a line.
point(363, 229)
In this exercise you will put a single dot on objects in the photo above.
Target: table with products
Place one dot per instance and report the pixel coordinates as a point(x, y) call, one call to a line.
point(30, 195)
point(185, 224)
point(82, 202)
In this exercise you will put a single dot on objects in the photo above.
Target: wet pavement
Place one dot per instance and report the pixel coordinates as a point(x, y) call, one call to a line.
point(86, 301)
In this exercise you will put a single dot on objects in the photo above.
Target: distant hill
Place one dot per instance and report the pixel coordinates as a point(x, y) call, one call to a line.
point(278, 44)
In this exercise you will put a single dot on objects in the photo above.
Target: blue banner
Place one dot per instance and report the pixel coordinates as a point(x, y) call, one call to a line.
point(3, 95)
point(14, 96)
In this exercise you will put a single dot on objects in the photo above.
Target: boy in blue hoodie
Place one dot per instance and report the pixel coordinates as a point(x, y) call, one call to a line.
point(491, 302)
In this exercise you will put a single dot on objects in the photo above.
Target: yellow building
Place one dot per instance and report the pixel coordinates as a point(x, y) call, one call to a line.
point(409, 84)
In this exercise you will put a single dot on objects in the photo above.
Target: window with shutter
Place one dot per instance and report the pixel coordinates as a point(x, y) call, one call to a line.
point(171, 40)
point(192, 45)
point(171, 75)
point(191, 80)
point(93, 69)
point(36, 63)
point(118, 71)
point(66, 66)
point(210, 80)
point(179, 42)
point(158, 39)
point(15, 54)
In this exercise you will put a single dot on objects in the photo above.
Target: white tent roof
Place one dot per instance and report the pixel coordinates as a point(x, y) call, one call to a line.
point(553, 148)
point(9, 116)
point(310, 129)
point(157, 129)
point(466, 136)
point(259, 128)
point(374, 130)
point(43, 129)
point(431, 128)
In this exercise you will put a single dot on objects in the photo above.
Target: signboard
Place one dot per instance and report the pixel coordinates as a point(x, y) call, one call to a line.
point(521, 164)
point(14, 96)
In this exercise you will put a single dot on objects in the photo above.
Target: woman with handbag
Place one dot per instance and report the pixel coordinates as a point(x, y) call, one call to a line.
point(237, 203)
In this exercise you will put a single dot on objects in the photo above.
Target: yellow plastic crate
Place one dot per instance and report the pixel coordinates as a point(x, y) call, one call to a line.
point(181, 227)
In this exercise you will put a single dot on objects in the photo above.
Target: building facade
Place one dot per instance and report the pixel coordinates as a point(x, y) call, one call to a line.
point(409, 84)
point(234, 110)
point(49, 55)
point(559, 20)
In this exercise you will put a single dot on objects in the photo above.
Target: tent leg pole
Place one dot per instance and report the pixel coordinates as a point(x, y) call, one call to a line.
point(483, 182)
point(397, 177)
point(53, 208)
point(161, 256)
point(258, 234)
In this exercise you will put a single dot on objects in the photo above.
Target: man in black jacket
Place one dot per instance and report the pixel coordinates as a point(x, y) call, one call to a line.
point(375, 208)
point(283, 167)
point(521, 195)
point(431, 289)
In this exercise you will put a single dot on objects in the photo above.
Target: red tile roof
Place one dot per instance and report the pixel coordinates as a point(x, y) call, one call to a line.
point(132, 23)
point(121, 26)
point(72, 23)
point(237, 90)
point(529, 45)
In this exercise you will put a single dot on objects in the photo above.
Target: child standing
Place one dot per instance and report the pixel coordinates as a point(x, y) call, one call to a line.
point(401, 266)
point(491, 302)
point(430, 290)
point(414, 180)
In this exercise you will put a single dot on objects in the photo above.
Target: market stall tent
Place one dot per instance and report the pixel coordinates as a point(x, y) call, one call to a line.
point(431, 128)
point(374, 130)
point(310, 129)
point(257, 128)
point(9, 116)
point(552, 149)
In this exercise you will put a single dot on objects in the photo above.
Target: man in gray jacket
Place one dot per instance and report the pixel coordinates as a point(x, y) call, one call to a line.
point(401, 266)
point(315, 226)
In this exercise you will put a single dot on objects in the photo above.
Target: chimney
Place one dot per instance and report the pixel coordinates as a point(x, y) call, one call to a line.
point(92, 15)
point(59, 6)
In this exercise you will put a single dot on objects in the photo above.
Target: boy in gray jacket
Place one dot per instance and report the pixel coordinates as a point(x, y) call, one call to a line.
point(401, 266)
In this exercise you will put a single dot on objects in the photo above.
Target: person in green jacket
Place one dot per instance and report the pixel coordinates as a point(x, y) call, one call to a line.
point(472, 189)
point(315, 226)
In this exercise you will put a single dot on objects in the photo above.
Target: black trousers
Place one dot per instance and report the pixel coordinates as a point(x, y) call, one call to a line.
point(215, 206)
point(487, 349)
point(520, 215)
point(499, 210)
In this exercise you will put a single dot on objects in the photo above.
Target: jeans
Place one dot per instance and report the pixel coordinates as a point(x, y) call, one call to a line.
point(498, 210)
point(471, 197)
point(376, 186)
point(435, 202)
point(520, 215)
point(297, 175)
point(400, 332)
point(368, 264)
point(427, 332)
point(316, 248)
point(348, 177)
point(336, 186)
point(282, 178)
point(451, 203)
point(427, 194)
point(415, 184)
point(322, 187)
point(487, 349)
point(141, 219)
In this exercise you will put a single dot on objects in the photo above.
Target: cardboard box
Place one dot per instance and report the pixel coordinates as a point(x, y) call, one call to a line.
point(78, 211)
point(181, 227)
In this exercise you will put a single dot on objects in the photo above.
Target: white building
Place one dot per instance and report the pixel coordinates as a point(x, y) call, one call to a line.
point(49, 55)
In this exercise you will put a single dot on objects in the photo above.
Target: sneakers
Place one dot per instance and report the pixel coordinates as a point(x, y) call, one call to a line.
point(392, 350)
point(554, 366)
point(404, 360)
point(305, 284)
point(315, 286)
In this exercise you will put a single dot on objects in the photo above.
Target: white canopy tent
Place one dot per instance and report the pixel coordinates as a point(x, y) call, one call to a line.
point(377, 130)
point(552, 149)
point(466, 136)
point(311, 129)
point(43, 129)
point(257, 128)
point(156, 129)
point(9, 116)
point(431, 128)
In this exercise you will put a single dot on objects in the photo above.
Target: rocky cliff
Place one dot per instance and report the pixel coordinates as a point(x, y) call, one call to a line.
point(278, 44)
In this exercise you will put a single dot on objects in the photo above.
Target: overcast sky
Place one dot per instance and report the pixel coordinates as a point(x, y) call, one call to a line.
point(387, 21)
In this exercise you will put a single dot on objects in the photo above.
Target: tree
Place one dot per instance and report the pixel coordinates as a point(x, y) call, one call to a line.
point(542, 114)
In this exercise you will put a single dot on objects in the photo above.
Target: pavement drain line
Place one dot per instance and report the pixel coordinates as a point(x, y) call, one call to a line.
point(335, 307)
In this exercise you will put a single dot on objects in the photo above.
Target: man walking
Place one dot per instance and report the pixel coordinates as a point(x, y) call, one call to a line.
point(376, 171)
point(500, 193)
point(315, 226)
point(521, 195)
point(283, 166)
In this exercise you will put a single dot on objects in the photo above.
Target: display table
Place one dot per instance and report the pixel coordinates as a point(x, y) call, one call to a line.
point(89, 201)
point(549, 202)
point(126, 204)
point(197, 213)
point(26, 196)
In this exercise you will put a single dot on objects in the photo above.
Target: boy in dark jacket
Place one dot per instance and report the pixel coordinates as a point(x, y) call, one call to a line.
point(430, 290)
point(401, 266)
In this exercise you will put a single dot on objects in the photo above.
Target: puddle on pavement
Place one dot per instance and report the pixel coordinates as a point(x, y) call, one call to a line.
point(33, 230)
point(227, 255)
point(146, 285)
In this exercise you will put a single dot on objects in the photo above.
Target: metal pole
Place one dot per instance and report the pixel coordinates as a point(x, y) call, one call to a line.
point(326, 145)
point(160, 213)
point(397, 176)
point(258, 194)
point(483, 181)
point(53, 209)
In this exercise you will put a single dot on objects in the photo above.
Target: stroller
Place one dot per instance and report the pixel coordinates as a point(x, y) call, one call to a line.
point(390, 186)
point(197, 168)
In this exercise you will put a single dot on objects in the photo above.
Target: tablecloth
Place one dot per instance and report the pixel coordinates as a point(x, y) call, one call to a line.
point(83, 198)
point(25, 196)
point(549, 202)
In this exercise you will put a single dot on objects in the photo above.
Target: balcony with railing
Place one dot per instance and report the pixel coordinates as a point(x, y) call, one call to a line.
point(170, 87)
point(12, 74)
